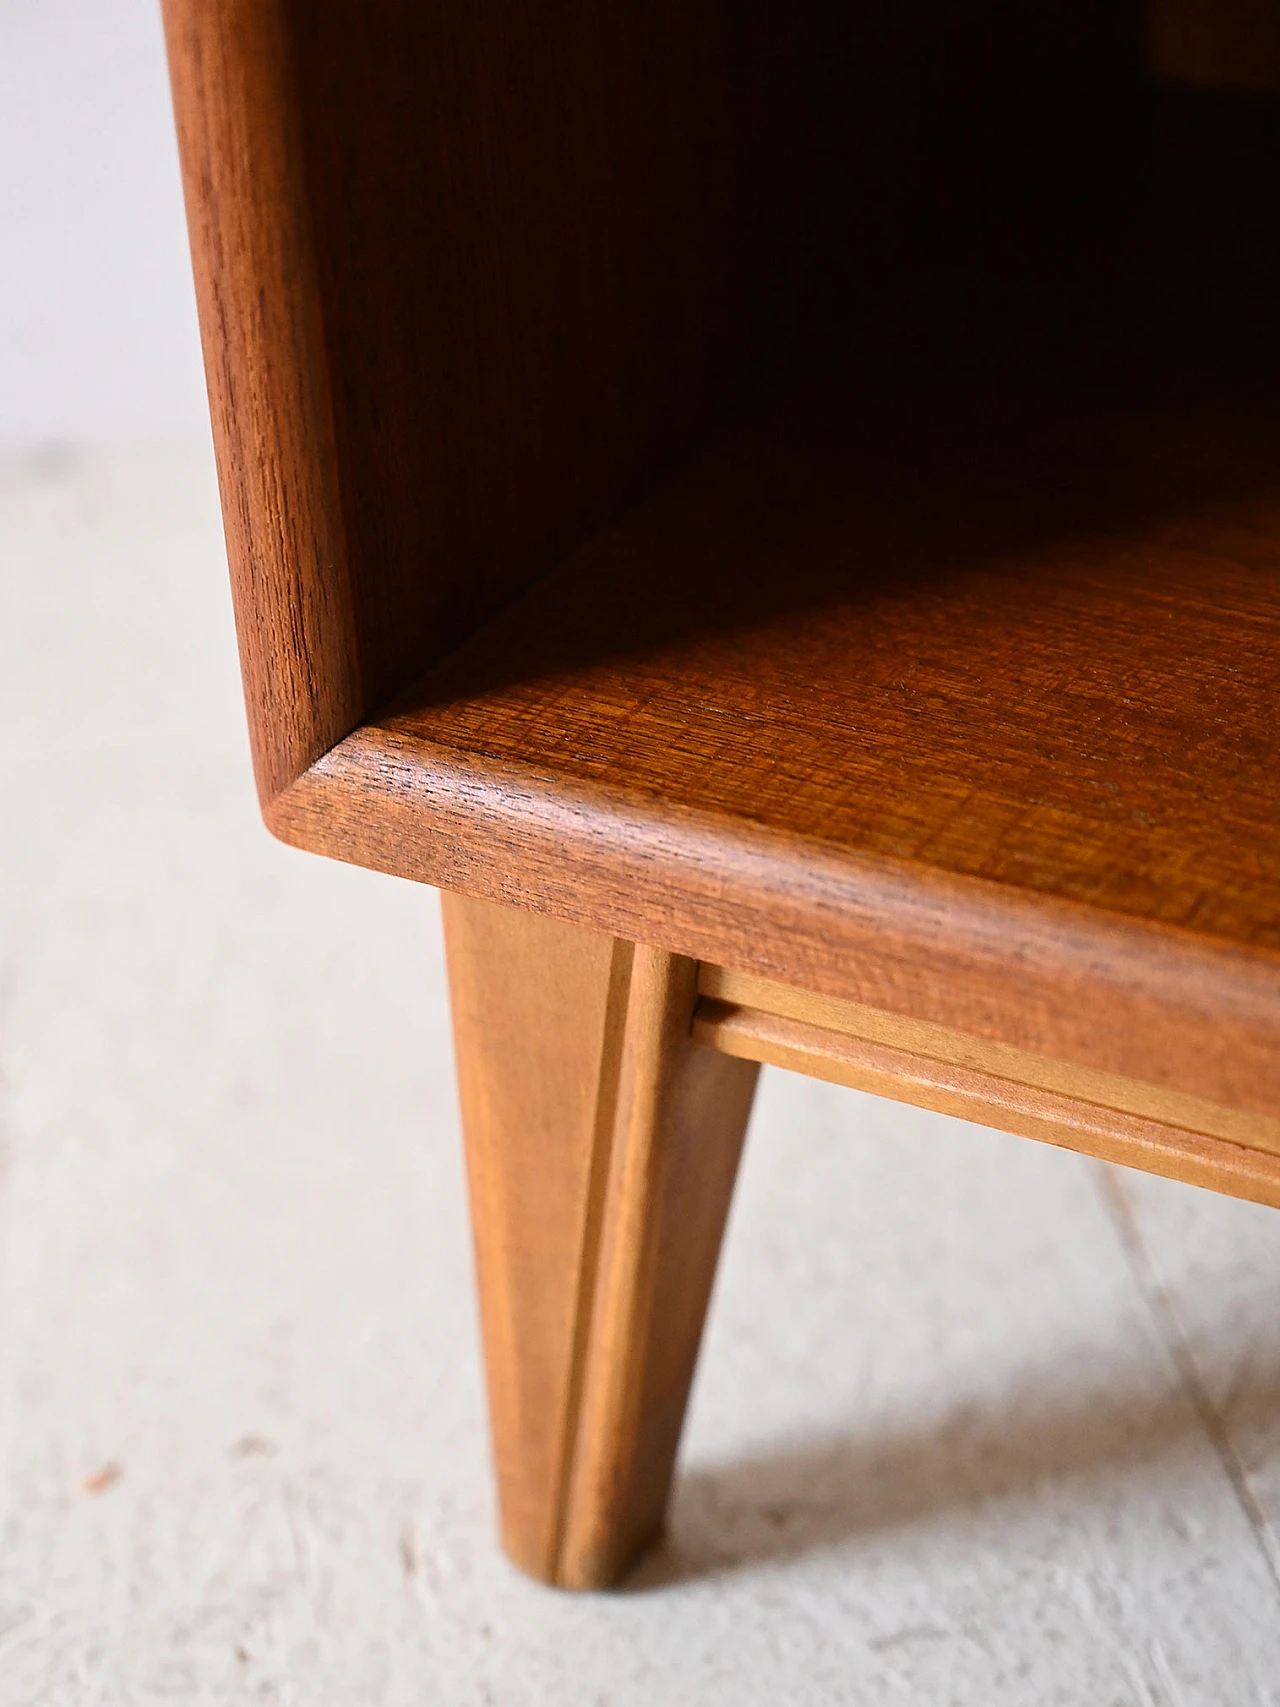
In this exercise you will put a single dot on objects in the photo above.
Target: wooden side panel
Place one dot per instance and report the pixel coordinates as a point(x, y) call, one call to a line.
point(601, 1147)
point(470, 278)
point(523, 216)
point(261, 322)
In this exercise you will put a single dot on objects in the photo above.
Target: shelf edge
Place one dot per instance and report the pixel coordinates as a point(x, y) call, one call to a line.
point(1121, 995)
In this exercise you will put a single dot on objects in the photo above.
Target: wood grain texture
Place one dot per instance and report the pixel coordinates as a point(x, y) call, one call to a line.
point(963, 710)
point(602, 1147)
point(761, 997)
point(526, 282)
point(1019, 638)
point(1029, 1110)
point(467, 281)
point(262, 327)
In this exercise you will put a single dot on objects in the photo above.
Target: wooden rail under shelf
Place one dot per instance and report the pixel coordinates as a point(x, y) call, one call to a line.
point(1101, 1114)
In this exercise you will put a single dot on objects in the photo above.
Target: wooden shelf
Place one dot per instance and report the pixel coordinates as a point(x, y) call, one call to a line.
point(1040, 651)
point(957, 701)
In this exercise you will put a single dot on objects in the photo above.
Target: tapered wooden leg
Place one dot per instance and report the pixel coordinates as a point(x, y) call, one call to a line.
point(602, 1145)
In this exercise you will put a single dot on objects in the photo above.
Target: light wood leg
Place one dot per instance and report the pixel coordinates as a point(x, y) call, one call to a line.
point(602, 1145)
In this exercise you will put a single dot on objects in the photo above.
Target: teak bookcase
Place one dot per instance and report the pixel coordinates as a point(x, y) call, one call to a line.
point(774, 507)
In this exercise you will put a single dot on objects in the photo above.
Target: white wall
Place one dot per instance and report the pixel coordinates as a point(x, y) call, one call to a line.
point(97, 320)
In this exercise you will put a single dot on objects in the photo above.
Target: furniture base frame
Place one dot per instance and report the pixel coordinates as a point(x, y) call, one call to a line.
point(605, 1091)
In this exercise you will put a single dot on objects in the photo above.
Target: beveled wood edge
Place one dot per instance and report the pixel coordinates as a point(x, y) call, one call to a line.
point(747, 994)
point(1025, 1110)
point(1151, 1003)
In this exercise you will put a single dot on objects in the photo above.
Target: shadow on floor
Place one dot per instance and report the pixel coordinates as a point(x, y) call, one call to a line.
point(801, 1497)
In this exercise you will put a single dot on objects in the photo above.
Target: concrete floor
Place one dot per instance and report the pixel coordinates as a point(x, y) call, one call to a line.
point(977, 1421)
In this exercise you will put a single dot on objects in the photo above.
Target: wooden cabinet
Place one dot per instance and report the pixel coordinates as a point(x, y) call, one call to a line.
point(775, 508)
